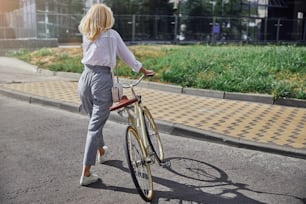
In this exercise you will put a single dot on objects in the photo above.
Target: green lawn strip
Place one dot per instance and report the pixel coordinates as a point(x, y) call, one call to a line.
point(276, 70)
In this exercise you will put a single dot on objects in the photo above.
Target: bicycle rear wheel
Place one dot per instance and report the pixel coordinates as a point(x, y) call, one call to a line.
point(153, 135)
point(139, 168)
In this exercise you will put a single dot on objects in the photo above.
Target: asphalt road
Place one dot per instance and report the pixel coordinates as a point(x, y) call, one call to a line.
point(16, 71)
point(41, 151)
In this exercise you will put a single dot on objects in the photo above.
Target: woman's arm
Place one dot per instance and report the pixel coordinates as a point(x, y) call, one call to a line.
point(126, 55)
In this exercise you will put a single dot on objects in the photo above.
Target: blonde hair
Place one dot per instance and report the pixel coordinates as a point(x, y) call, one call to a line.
point(98, 19)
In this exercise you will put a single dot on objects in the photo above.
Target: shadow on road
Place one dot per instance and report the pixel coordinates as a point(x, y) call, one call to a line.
point(211, 177)
point(195, 182)
point(119, 165)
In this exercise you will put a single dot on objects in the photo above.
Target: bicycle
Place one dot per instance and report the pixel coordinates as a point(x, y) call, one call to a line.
point(142, 141)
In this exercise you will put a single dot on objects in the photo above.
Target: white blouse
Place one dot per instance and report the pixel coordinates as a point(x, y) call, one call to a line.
point(105, 48)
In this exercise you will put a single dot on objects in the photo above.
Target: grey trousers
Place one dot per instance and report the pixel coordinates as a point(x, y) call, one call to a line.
point(94, 88)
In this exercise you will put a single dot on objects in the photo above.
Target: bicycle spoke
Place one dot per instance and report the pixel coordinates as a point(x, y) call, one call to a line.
point(139, 169)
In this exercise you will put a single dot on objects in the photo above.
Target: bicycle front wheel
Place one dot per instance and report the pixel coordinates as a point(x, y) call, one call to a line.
point(153, 135)
point(139, 168)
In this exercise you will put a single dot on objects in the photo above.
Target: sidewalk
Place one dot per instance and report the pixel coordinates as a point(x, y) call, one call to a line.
point(265, 127)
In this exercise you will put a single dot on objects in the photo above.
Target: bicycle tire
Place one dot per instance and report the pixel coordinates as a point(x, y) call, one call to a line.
point(153, 135)
point(139, 169)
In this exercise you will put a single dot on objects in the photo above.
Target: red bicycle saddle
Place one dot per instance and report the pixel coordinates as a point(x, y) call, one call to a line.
point(124, 101)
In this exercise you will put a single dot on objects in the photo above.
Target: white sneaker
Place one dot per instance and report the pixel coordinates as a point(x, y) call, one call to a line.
point(103, 158)
point(86, 180)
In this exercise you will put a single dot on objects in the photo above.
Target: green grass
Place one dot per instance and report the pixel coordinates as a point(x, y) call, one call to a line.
point(43, 52)
point(276, 70)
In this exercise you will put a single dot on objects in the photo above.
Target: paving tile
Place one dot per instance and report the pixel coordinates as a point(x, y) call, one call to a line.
point(249, 121)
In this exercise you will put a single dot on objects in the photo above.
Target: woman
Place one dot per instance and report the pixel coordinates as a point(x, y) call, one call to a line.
point(101, 45)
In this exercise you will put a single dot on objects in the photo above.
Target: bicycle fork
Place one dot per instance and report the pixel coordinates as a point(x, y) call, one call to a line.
point(141, 128)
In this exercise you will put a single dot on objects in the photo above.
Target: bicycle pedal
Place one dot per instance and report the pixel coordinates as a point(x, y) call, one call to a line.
point(149, 161)
point(165, 164)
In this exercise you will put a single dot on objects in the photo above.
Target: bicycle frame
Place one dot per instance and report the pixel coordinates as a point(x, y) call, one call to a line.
point(136, 118)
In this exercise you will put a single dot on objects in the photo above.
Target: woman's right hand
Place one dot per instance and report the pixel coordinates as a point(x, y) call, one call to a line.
point(149, 73)
point(146, 72)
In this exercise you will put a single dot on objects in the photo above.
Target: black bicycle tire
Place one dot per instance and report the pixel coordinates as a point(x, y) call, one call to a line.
point(146, 114)
point(145, 196)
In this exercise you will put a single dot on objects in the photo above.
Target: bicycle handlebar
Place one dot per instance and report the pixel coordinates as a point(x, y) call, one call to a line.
point(135, 83)
point(124, 101)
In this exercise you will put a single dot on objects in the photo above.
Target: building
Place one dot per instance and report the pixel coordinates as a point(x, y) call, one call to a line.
point(279, 20)
point(287, 20)
point(256, 20)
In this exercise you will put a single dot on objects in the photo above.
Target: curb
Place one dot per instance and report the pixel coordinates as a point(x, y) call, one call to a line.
point(44, 72)
point(193, 133)
point(39, 100)
point(165, 127)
